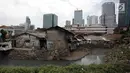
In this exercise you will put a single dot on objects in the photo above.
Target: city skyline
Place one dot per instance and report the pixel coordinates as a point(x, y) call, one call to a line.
point(14, 11)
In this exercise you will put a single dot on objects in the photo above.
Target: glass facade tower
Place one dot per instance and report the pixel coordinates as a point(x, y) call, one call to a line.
point(124, 17)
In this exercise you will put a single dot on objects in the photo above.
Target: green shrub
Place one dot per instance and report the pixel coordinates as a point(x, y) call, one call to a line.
point(17, 70)
point(103, 68)
point(53, 70)
point(75, 69)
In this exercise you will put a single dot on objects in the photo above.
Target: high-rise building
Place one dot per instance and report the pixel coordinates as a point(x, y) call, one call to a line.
point(92, 20)
point(28, 20)
point(73, 21)
point(108, 17)
point(108, 8)
point(78, 17)
point(27, 23)
point(102, 20)
point(124, 16)
point(32, 27)
point(68, 22)
point(50, 20)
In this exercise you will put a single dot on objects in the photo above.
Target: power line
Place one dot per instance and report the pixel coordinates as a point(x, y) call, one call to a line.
point(68, 1)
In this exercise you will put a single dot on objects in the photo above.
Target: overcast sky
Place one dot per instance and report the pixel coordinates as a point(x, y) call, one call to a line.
point(13, 12)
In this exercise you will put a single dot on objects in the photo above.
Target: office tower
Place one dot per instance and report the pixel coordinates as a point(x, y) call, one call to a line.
point(108, 8)
point(50, 20)
point(68, 22)
point(27, 23)
point(102, 20)
point(124, 14)
point(72, 21)
point(92, 20)
point(32, 27)
point(83, 22)
point(108, 17)
point(78, 17)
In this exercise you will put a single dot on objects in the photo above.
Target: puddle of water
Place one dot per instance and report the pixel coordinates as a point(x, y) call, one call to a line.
point(90, 59)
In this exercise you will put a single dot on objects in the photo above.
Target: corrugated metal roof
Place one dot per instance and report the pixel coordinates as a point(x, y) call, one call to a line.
point(38, 35)
point(41, 35)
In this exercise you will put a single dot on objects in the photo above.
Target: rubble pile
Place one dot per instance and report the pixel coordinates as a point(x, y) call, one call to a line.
point(18, 54)
point(28, 55)
point(121, 51)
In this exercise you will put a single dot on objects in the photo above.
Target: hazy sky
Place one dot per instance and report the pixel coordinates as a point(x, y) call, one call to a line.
point(13, 12)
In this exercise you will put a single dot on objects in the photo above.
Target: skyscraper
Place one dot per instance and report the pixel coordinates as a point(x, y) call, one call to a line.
point(92, 20)
point(32, 27)
point(78, 17)
point(124, 17)
point(28, 20)
point(108, 17)
point(73, 21)
point(108, 8)
point(68, 22)
point(27, 23)
point(50, 20)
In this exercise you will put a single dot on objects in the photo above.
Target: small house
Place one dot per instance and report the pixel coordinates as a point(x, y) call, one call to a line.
point(29, 40)
point(59, 38)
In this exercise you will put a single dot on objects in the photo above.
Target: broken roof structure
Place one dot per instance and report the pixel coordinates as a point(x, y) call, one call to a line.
point(61, 29)
point(37, 35)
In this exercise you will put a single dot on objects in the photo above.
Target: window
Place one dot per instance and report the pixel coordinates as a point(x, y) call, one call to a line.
point(27, 41)
point(49, 45)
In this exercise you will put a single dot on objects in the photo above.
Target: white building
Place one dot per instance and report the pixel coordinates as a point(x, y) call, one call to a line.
point(90, 29)
point(92, 20)
point(78, 17)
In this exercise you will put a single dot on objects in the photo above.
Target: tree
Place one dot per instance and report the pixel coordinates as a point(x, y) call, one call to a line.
point(3, 36)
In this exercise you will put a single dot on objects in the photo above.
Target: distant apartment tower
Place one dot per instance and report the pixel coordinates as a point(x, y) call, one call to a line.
point(92, 20)
point(108, 17)
point(50, 20)
point(73, 21)
point(27, 23)
point(124, 14)
point(78, 17)
point(68, 22)
point(32, 27)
